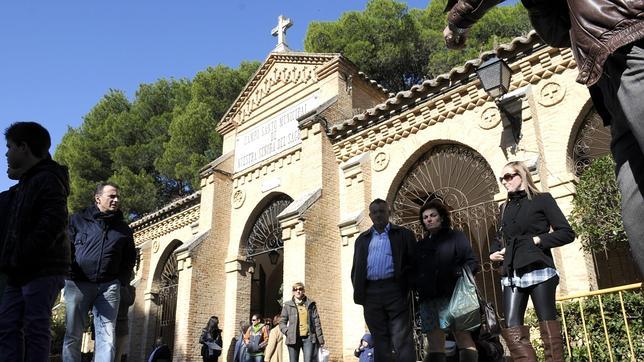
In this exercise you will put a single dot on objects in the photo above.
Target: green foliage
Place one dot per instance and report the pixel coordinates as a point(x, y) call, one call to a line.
point(596, 215)
point(615, 326)
point(57, 330)
point(400, 47)
point(154, 145)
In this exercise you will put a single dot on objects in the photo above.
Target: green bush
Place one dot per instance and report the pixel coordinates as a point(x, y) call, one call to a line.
point(57, 331)
point(634, 307)
point(596, 214)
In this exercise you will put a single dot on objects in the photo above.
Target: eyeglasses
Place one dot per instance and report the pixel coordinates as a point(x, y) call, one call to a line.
point(254, 320)
point(298, 289)
point(507, 177)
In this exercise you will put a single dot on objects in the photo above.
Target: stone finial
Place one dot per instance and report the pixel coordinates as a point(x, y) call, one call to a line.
point(279, 31)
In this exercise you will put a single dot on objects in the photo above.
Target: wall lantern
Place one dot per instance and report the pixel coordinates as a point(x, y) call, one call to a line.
point(274, 256)
point(495, 75)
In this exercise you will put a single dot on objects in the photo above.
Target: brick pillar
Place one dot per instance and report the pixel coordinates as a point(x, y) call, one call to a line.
point(183, 339)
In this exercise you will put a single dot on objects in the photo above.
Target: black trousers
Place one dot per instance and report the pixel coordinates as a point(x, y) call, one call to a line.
point(386, 311)
point(515, 301)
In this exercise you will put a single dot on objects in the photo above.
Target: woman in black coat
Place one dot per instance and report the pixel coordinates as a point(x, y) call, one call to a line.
point(442, 253)
point(531, 225)
point(211, 340)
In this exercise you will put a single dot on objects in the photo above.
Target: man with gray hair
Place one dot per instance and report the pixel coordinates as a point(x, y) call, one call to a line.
point(103, 257)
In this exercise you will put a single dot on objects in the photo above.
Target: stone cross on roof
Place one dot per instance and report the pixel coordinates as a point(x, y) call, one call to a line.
point(279, 31)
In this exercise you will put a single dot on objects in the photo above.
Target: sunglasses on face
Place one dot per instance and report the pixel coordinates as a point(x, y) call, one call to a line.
point(298, 289)
point(254, 320)
point(507, 177)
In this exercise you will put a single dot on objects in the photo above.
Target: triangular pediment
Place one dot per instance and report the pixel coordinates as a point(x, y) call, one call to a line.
point(278, 71)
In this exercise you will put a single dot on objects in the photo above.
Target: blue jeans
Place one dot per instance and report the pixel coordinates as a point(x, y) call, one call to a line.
point(104, 299)
point(307, 346)
point(25, 319)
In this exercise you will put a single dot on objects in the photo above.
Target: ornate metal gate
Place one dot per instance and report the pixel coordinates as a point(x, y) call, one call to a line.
point(167, 307)
point(592, 141)
point(463, 180)
point(266, 233)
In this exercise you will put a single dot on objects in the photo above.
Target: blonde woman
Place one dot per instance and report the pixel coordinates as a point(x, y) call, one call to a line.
point(531, 225)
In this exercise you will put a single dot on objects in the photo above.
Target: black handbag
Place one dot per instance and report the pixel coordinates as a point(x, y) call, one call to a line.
point(490, 326)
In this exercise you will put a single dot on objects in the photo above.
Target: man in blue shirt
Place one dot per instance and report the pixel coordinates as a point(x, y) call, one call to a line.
point(382, 264)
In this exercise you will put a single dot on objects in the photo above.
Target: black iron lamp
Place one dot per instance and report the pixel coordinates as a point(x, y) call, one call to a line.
point(274, 256)
point(251, 264)
point(495, 75)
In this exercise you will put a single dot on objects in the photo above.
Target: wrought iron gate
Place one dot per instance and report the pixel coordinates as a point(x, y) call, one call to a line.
point(167, 307)
point(463, 180)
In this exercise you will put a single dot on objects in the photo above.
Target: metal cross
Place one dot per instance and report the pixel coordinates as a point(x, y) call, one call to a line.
point(279, 31)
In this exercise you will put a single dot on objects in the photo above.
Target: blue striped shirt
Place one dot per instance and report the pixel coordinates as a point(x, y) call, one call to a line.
point(380, 262)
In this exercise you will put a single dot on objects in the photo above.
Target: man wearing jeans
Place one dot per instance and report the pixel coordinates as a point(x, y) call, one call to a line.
point(300, 324)
point(103, 257)
point(34, 251)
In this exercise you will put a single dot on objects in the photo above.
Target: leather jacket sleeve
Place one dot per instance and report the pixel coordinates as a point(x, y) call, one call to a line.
point(551, 20)
point(465, 13)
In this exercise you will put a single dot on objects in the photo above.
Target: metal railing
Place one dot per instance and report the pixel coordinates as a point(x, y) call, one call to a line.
point(601, 326)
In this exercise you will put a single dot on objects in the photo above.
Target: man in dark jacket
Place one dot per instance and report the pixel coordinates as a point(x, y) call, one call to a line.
point(382, 262)
point(103, 258)
point(607, 39)
point(34, 251)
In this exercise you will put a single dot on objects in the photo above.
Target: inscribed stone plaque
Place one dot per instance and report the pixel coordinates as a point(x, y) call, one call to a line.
point(273, 135)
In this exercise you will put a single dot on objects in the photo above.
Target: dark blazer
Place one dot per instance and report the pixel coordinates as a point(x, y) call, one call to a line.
point(403, 249)
point(439, 263)
point(522, 220)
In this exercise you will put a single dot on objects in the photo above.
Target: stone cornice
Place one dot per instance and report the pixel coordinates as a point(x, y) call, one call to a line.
point(267, 167)
point(167, 225)
point(170, 209)
point(441, 84)
point(401, 120)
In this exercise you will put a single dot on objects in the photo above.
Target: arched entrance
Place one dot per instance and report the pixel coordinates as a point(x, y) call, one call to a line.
point(167, 282)
point(262, 247)
point(463, 180)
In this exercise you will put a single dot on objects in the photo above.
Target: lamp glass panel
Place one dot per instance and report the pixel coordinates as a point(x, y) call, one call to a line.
point(506, 76)
point(489, 76)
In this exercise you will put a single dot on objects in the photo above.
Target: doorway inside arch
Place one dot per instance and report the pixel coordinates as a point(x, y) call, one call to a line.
point(264, 250)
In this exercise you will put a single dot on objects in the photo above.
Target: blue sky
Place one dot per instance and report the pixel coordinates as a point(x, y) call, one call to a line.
point(58, 58)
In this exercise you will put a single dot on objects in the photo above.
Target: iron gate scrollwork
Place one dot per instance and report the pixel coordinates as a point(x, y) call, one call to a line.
point(266, 233)
point(167, 306)
point(592, 141)
point(463, 180)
